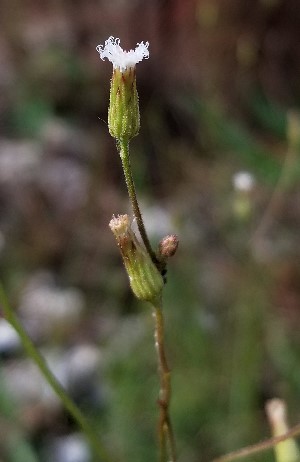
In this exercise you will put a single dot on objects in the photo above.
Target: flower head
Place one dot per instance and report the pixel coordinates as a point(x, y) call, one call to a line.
point(145, 280)
point(120, 58)
point(123, 112)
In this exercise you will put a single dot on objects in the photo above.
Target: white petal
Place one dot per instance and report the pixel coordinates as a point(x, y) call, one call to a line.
point(120, 58)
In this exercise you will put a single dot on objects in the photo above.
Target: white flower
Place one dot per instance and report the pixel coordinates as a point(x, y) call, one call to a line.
point(120, 58)
point(243, 181)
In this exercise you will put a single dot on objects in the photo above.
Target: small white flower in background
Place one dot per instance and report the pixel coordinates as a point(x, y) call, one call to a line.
point(243, 181)
point(120, 58)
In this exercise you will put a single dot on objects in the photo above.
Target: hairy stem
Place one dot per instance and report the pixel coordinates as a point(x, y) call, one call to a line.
point(124, 154)
point(166, 437)
point(34, 354)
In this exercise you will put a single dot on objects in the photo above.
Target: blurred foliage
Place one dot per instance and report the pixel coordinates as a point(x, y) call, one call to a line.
point(14, 446)
point(229, 135)
point(215, 98)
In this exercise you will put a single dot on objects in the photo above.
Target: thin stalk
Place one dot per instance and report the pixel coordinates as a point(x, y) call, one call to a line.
point(40, 362)
point(278, 197)
point(124, 154)
point(259, 447)
point(165, 431)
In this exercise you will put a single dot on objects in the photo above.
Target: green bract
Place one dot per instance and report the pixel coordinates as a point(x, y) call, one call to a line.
point(123, 113)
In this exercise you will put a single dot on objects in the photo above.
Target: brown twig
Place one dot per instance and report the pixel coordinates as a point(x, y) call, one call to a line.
point(259, 447)
point(166, 437)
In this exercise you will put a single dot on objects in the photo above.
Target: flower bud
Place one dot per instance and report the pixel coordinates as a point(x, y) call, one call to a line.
point(168, 246)
point(145, 280)
point(123, 112)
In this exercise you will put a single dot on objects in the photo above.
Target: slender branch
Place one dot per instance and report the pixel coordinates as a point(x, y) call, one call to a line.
point(124, 154)
point(40, 362)
point(259, 447)
point(166, 437)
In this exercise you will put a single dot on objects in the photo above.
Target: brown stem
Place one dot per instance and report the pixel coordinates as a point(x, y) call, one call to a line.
point(259, 447)
point(166, 437)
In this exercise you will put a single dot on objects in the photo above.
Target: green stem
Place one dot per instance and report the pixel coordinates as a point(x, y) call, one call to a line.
point(38, 359)
point(124, 154)
point(166, 436)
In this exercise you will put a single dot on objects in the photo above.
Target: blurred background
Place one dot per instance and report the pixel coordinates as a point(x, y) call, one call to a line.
point(217, 162)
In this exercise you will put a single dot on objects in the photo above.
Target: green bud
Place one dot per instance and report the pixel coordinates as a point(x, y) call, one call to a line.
point(123, 113)
point(145, 280)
